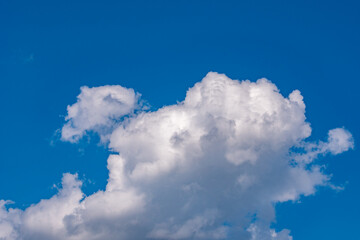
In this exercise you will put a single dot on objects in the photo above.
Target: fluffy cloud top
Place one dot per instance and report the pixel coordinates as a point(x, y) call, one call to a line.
point(97, 109)
point(210, 167)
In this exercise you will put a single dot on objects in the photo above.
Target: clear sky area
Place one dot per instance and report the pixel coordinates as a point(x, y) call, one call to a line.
point(157, 51)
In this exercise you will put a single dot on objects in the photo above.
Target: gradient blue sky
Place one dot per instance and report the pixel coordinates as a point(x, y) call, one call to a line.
point(49, 49)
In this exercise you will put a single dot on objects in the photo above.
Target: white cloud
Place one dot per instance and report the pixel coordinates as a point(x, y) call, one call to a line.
point(198, 169)
point(259, 232)
point(9, 221)
point(339, 140)
point(98, 109)
point(45, 220)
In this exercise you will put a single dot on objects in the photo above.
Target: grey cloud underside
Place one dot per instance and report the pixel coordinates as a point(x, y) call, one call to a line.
point(210, 167)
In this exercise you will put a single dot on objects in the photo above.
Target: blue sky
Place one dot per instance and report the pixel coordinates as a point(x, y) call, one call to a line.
point(48, 50)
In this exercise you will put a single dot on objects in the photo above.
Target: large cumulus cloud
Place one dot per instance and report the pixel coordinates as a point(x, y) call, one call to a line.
point(209, 167)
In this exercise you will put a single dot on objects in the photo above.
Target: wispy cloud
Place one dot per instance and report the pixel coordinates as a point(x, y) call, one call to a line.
point(29, 59)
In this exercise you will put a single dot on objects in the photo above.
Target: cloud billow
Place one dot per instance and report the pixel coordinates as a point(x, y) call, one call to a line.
point(209, 167)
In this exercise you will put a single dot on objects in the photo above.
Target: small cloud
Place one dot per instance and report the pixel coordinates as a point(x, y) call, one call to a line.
point(29, 59)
